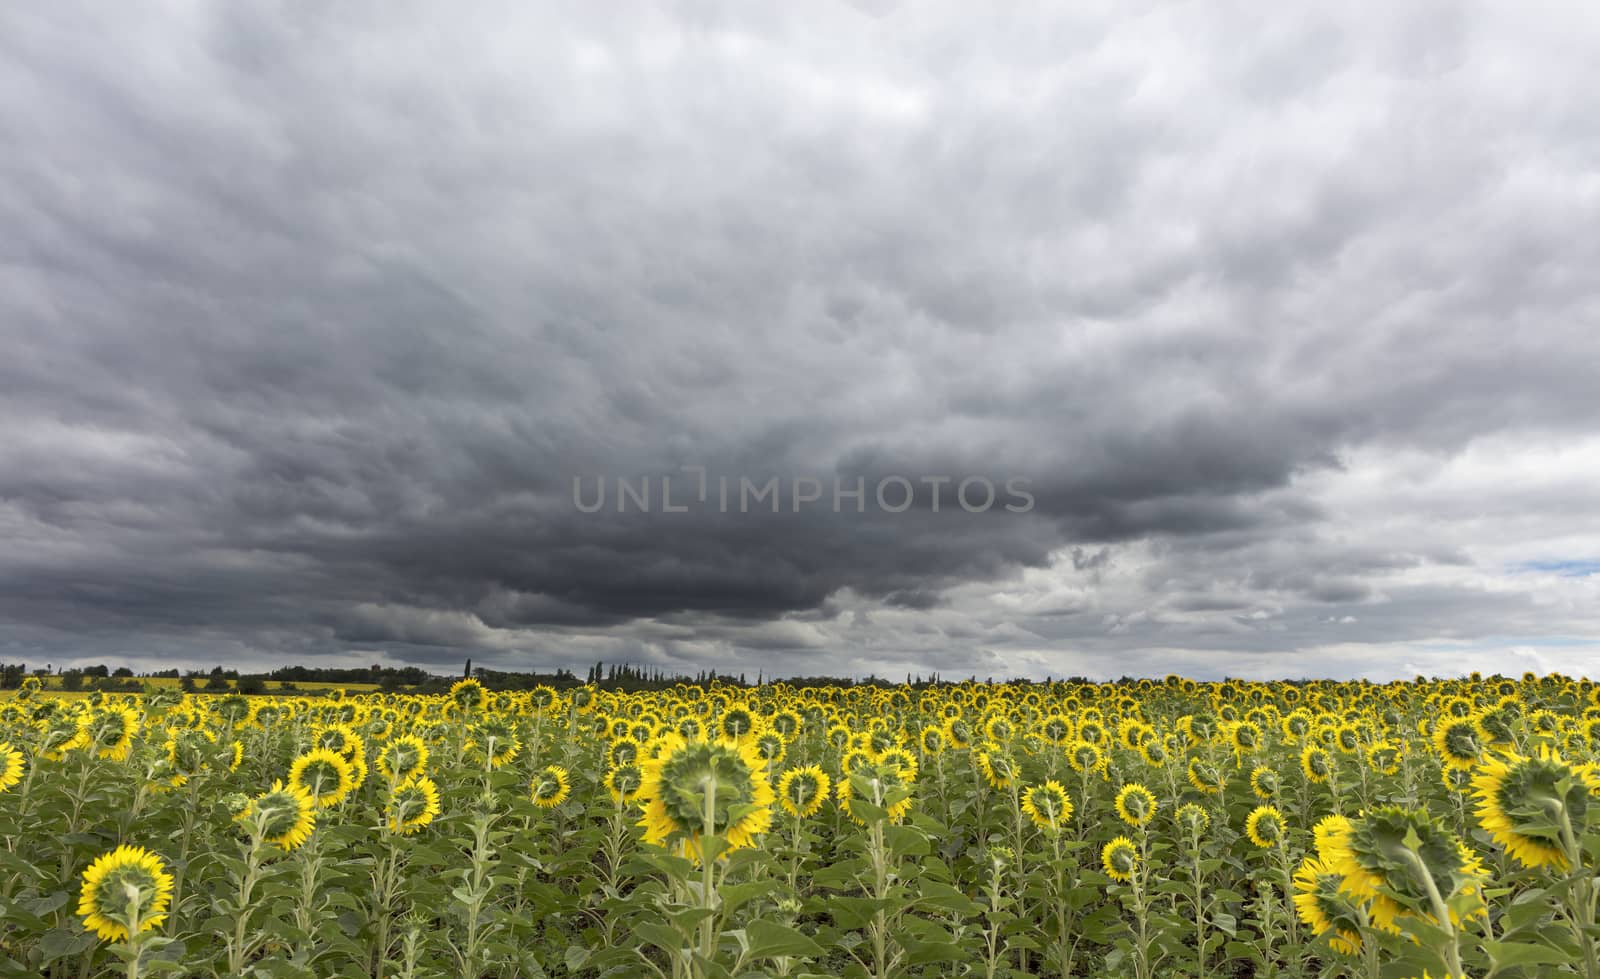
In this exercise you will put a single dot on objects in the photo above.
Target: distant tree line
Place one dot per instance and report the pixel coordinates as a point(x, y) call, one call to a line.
point(625, 677)
point(12, 674)
point(386, 677)
point(561, 679)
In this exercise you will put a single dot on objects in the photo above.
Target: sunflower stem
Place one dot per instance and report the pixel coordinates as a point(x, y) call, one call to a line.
point(1019, 826)
point(1141, 912)
point(1198, 880)
point(708, 869)
point(1369, 947)
point(135, 928)
point(238, 951)
point(1284, 868)
point(794, 860)
point(1583, 900)
point(1452, 951)
point(991, 933)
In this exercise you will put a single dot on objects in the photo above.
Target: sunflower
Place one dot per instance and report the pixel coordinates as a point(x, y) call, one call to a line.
point(284, 815)
point(1544, 723)
point(1201, 728)
point(1136, 804)
point(787, 724)
point(802, 791)
point(623, 782)
point(402, 758)
point(358, 767)
point(1056, 729)
point(1497, 722)
point(1316, 763)
point(1459, 741)
point(623, 751)
point(1590, 734)
point(1328, 831)
point(59, 735)
point(854, 759)
point(691, 780)
point(1085, 757)
point(324, 775)
point(998, 768)
point(1192, 818)
point(1265, 827)
point(1246, 736)
point(1296, 724)
point(495, 739)
point(1264, 782)
point(997, 729)
point(1154, 752)
point(550, 787)
point(1119, 858)
point(1456, 779)
point(881, 739)
point(1205, 776)
point(265, 716)
point(412, 805)
point(1383, 757)
point(1382, 858)
point(10, 766)
point(770, 746)
point(736, 724)
point(110, 732)
point(380, 728)
point(544, 699)
point(901, 759)
point(468, 694)
point(124, 891)
point(1323, 908)
point(1135, 733)
point(338, 737)
point(1524, 802)
point(889, 782)
point(1047, 805)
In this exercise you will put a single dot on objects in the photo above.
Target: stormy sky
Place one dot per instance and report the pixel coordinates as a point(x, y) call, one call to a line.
point(1287, 324)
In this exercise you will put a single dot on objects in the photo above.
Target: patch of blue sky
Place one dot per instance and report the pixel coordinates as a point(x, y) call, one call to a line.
point(1505, 642)
point(1567, 569)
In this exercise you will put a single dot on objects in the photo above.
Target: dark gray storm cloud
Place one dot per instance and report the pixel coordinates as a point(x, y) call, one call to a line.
point(311, 315)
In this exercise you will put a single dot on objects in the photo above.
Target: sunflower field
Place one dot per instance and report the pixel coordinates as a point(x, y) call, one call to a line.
point(1157, 828)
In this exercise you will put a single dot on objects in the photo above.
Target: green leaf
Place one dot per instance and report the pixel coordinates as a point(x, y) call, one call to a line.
point(659, 935)
point(735, 896)
point(1505, 954)
point(905, 840)
point(769, 939)
point(59, 943)
point(946, 898)
point(934, 953)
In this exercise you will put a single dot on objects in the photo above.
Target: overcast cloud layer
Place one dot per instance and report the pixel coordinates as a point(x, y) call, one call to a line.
point(311, 313)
